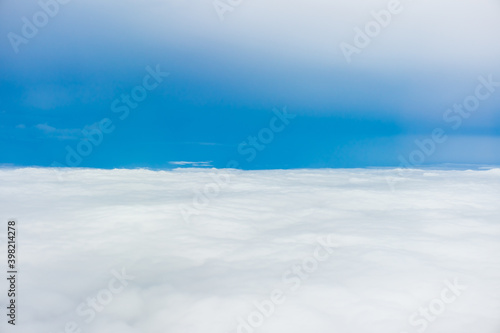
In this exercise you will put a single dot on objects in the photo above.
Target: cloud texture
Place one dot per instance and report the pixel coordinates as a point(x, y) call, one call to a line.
point(384, 253)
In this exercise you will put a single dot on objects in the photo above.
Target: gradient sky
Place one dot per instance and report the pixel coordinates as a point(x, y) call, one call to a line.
point(226, 77)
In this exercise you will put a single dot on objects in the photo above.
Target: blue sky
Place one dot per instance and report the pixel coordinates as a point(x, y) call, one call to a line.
point(225, 78)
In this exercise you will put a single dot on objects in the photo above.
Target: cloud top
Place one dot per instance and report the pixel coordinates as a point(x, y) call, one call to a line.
point(384, 254)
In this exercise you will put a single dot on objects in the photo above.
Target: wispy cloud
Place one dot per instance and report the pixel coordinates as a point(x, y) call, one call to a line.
point(192, 164)
point(61, 134)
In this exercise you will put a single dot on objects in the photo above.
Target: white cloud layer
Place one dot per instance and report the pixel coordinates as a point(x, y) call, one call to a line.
point(386, 254)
